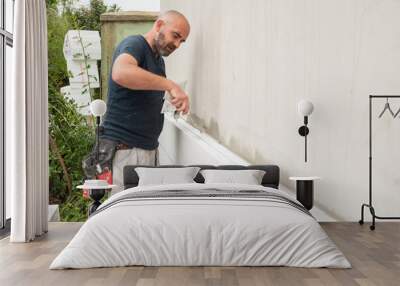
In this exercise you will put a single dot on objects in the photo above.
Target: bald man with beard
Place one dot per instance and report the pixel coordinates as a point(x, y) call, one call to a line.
point(136, 88)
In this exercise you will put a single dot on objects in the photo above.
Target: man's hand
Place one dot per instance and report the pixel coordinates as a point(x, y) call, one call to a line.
point(179, 99)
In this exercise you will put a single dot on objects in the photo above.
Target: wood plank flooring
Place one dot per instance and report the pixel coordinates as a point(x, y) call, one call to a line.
point(375, 257)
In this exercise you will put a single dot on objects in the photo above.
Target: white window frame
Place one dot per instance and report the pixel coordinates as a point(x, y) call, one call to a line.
point(6, 39)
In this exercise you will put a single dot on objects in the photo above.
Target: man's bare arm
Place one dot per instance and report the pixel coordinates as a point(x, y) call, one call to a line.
point(127, 73)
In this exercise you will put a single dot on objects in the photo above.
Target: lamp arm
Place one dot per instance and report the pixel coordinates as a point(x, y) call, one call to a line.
point(305, 148)
point(97, 138)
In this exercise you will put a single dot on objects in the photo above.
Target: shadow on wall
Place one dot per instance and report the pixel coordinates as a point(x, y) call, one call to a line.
point(236, 145)
point(205, 92)
point(210, 128)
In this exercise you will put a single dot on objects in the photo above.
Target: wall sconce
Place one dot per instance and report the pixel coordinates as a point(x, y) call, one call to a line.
point(98, 108)
point(305, 108)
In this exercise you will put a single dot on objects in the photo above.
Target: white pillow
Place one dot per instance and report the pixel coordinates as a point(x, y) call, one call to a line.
point(162, 176)
point(248, 177)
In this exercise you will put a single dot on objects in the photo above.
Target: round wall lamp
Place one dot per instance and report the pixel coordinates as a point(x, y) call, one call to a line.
point(305, 108)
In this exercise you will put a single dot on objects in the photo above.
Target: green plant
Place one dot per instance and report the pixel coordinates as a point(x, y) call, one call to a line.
point(71, 135)
point(74, 208)
point(86, 18)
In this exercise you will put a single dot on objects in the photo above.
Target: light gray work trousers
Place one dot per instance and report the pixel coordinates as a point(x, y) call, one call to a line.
point(134, 156)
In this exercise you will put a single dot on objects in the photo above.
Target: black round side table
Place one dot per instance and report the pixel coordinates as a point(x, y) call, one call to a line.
point(96, 195)
point(96, 189)
point(305, 190)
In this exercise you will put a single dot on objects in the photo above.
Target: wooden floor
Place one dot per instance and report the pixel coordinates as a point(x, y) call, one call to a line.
point(375, 257)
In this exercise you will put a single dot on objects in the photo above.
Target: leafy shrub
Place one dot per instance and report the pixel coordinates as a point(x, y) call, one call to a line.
point(71, 135)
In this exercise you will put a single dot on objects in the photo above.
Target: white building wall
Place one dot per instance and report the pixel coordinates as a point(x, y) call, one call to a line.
point(248, 63)
point(182, 144)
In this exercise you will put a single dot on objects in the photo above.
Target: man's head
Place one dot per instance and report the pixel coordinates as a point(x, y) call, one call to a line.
point(170, 30)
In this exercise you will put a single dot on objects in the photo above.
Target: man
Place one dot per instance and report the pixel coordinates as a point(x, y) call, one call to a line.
point(136, 89)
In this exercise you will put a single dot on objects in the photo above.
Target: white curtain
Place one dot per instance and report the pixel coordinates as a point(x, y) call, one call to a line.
point(27, 123)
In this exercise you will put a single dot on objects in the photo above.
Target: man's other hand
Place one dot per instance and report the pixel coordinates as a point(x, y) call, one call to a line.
point(179, 99)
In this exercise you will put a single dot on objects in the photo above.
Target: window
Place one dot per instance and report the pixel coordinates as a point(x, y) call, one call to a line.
point(6, 44)
point(9, 15)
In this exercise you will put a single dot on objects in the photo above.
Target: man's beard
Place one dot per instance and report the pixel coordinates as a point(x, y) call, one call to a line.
point(162, 48)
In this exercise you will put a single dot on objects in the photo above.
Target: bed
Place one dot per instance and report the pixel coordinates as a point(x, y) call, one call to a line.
point(201, 224)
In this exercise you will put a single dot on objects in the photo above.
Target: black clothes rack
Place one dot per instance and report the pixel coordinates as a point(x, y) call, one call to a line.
point(369, 205)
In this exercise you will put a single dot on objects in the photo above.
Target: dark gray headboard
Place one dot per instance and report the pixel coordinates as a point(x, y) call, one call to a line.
point(270, 179)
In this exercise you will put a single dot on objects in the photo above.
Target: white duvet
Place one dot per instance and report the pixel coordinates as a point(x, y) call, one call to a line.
point(185, 231)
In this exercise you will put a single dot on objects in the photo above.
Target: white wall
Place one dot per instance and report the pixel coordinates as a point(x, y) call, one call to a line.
point(182, 144)
point(247, 66)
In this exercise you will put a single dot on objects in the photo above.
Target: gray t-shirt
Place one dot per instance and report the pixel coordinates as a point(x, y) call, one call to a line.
point(134, 117)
